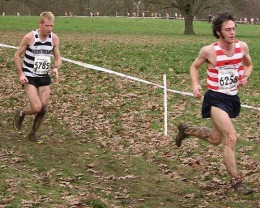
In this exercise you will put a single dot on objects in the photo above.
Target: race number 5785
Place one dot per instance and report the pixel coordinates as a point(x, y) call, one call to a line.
point(42, 66)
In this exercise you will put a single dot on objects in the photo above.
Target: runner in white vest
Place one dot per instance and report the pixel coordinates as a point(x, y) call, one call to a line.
point(37, 47)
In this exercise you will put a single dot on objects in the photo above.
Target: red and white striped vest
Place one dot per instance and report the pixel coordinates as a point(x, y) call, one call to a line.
point(228, 71)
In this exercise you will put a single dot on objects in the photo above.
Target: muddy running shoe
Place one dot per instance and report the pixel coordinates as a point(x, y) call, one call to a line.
point(181, 135)
point(240, 188)
point(18, 120)
point(34, 138)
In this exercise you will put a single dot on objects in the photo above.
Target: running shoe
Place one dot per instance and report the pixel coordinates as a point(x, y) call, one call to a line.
point(18, 120)
point(181, 135)
point(34, 138)
point(240, 188)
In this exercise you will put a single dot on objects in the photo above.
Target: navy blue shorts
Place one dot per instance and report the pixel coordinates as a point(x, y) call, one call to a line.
point(228, 103)
point(39, 81)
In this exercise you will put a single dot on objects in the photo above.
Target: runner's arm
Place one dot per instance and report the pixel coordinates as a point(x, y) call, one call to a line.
point(18, 58)
point(57, 58)
point(194, 72)
point(247, 62)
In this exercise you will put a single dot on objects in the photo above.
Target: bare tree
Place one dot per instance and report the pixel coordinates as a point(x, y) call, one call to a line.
point(191, 8)
point(187, 8)
point(137, 4)
point(83, 5)
point(3, 5)
point(35, 7)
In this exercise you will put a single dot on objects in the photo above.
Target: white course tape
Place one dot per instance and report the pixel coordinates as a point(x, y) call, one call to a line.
point(109, 71)
point(7, 46)
point(125, 76)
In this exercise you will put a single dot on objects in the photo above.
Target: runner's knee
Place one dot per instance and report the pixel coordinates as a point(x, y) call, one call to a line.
point(36, 108)
point(231, 139)
point(216, 142)
point(216, 137)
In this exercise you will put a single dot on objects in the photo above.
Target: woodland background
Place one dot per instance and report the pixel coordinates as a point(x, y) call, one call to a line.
point(242, 8)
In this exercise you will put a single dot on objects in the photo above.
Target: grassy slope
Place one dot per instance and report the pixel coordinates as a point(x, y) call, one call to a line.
point(104, 134)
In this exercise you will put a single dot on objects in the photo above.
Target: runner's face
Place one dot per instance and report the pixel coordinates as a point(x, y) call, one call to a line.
point(228, 31)
point(46, 27)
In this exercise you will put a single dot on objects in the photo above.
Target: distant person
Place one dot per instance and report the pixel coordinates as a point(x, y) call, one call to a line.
point(252, 20)
point(210, 18)
point(245, 20)
point(37, 47)
point(229, 67)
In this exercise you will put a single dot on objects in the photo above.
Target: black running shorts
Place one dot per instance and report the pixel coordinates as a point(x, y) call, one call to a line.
point(228, 103)
point(39, 81)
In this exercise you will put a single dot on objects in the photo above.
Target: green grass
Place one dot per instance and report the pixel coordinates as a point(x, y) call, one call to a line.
point(104, 144)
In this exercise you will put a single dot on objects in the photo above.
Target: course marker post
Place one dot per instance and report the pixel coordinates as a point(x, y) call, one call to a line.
point(165, 105)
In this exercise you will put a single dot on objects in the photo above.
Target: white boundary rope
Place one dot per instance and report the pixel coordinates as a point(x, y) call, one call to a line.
point(125, 76)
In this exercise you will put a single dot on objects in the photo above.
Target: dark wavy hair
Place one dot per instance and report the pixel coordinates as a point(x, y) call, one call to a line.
point(219, 20)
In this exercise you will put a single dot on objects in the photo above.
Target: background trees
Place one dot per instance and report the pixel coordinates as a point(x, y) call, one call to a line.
point(187, 9)
point(199, 8)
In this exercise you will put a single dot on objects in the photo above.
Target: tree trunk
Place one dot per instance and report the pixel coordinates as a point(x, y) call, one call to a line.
point(189, 25)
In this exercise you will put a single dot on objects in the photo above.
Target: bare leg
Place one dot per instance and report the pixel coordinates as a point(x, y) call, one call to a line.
point(224, 125)
point(35, 103)
point(33, 108)
point(44, 95)
point(39, 100)
point(39, 118)
point(212, 136)
point(223, 130)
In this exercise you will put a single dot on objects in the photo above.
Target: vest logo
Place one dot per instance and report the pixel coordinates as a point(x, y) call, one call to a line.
point(41, 51)
point(228, 62)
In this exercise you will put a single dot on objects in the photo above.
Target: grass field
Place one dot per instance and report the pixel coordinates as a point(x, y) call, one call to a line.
point(104, 143)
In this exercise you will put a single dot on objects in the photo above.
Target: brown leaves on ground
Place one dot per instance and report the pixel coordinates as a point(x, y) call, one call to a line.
point(127, 118)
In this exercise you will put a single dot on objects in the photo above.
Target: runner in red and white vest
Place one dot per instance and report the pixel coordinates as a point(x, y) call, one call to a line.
point(225, 76)
point(229, 66)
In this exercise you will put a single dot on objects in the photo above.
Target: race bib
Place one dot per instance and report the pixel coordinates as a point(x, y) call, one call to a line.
point(227, 79)
point(42, 64)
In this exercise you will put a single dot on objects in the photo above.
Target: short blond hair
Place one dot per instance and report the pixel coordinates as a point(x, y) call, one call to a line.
point(46, 15)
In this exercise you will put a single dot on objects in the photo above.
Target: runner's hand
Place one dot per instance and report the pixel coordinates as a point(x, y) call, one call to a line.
point(23, 79)
point(196, 91)
point(56, 72)
point(243, 82)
